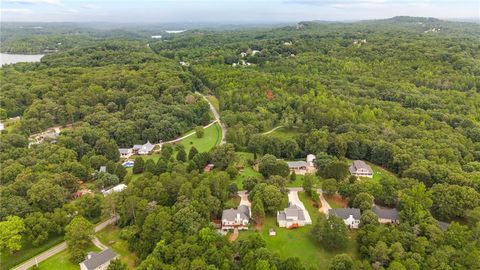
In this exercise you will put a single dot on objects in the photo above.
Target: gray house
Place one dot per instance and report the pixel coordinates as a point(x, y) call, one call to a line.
point(386, 215)
point(292, 217)
point(236, 218)
point(361, 169)
point(98, 261)
point(351, 216)
point(143, 149)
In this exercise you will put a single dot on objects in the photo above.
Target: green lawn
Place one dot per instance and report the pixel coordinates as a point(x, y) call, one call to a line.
point(299, 243)
point(60, 261)
point(247, 172)
point(284, 133)
point(110, 236)
point(212, 137)
point(27, 252)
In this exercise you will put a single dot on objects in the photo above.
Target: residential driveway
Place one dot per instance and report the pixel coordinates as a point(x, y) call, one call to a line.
point(293, 198)
point(244, 198)
point(217, 117)
point(325, 204)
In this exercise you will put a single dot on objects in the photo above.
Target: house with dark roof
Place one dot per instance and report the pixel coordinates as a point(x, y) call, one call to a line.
point(98, 261)
point(291, 217)
point(236, 218)
point(351, 216)
point(360, 169)
point(386, 215)
point(143, 149)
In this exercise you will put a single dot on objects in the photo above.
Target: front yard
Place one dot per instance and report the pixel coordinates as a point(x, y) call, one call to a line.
point(110, 236)
point(60, 261)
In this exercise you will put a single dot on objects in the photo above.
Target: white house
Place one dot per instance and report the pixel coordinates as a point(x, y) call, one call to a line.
point(243, 54)
point(292, 217)
point(351, 216)
point(98, 261)
point(310, 160)
point(117, 188)
point(236, 218)
point(125, 152)
point(361, 169)
point(143, 149)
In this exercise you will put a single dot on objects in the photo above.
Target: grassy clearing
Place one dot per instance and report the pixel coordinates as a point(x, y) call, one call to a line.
point(212, 138)
point(247, 172)
point(28, 251)
point(284, 133)
point(60, 261)
point(110, 236)
point(299, 243)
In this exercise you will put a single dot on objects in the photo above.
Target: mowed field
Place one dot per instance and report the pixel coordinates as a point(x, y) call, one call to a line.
point(299, 242)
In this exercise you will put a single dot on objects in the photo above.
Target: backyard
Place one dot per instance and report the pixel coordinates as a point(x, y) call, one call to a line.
point(299, 243)
point(110, 237)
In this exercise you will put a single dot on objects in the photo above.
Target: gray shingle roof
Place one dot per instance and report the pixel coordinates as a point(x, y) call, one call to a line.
point(359, 164)
point(297, 164)
point(231, 214)
point(386, 213)
point(292, 211)
point(98, 259)
point(123, 151)
point(344, 213)
point(443, 225)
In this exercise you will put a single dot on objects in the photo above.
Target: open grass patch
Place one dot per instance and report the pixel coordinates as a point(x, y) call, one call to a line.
point(110, 236)
point(211, 138)
point(28, 251)
point(285, 133)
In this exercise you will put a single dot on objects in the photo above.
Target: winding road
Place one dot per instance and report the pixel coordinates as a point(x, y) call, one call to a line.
point(217, 117)
point(58, 248)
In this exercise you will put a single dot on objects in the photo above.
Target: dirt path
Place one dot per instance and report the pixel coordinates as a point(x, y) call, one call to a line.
point(272, 130)
point(325, 205)
point(217, 117)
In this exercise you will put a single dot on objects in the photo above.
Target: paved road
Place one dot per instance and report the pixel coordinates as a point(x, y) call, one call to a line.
point(58, 248)
point(99, 244)
point(217, 117)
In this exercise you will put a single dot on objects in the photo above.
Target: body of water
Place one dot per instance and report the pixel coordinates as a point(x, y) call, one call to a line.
point(17, 58)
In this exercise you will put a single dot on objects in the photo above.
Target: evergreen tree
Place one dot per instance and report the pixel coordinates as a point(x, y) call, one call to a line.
point(138, 166)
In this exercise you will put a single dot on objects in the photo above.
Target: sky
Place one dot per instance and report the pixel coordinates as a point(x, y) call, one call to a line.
point(229, 11)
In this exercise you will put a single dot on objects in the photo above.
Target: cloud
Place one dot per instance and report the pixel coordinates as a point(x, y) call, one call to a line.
point(16, 11)
point(71, 10)
point(36, 2)
point(90, 6)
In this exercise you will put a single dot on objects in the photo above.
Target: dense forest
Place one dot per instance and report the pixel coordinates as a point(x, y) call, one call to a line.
point(402, 93)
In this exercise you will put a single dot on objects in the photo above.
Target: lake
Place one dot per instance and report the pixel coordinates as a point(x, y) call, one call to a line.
point(17, 58)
